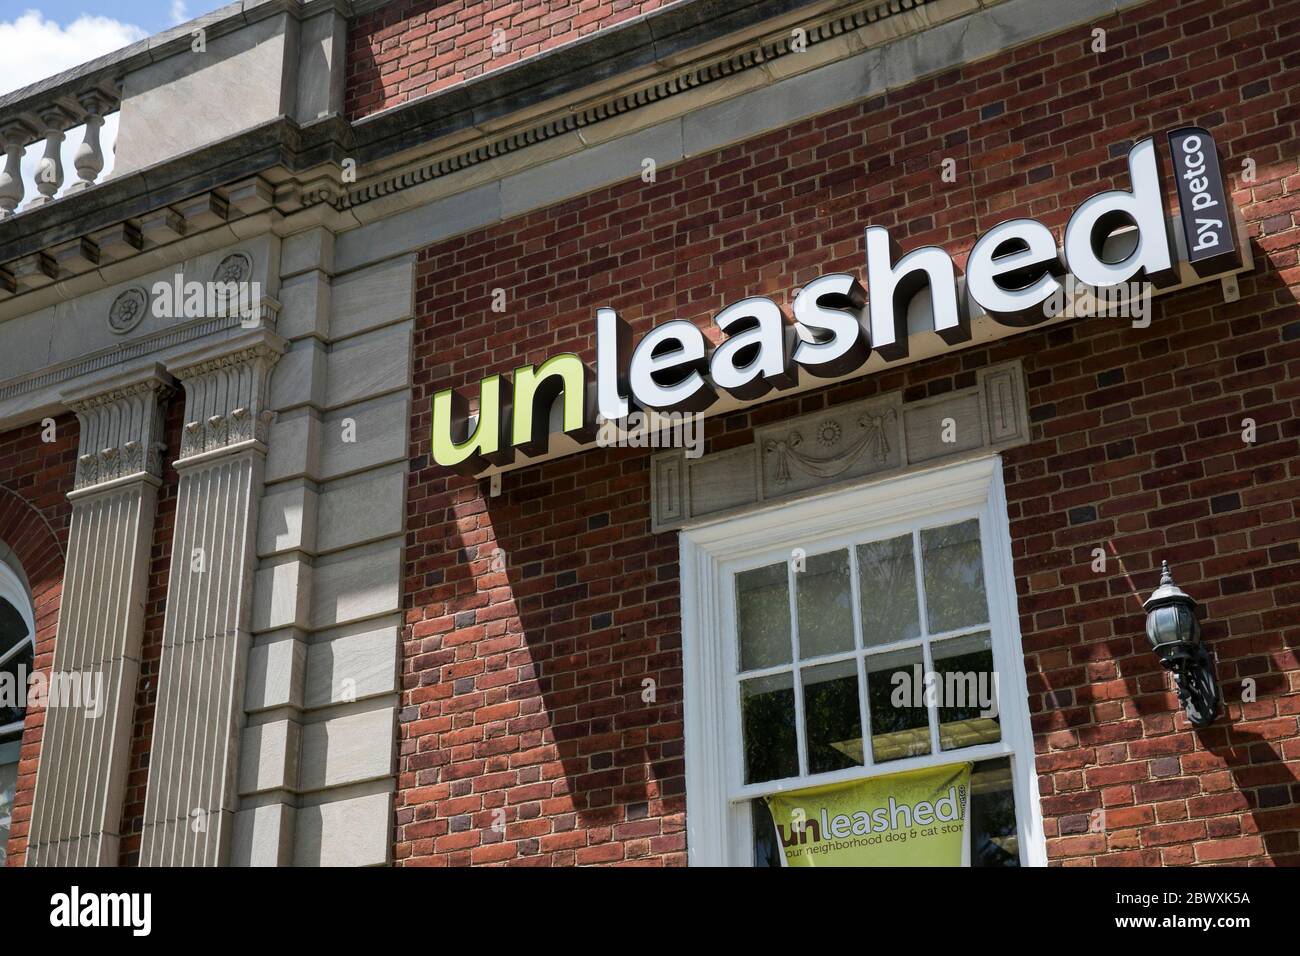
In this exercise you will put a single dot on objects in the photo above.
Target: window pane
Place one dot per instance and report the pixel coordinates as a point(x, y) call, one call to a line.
point(14, 672)
point(8, 787)
point(825, 617)
point(968, 704)
point(767, 713)
point(832, 719)
point(13, 630)
point(954, 576)
point(993, 836)
point(887, 586)
point(900, 724)
point(763, 616)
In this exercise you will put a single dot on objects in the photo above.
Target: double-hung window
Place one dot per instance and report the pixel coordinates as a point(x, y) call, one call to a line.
point(854, 635)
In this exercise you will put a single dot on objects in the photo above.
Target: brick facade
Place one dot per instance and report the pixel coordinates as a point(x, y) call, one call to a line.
point(534, 617)
point(407, 49)
point(35, 477)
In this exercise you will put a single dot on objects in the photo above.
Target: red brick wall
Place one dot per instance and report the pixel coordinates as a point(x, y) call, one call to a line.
point(521, 681)
point(35, 476)
point(160, 557)
point(412, 47)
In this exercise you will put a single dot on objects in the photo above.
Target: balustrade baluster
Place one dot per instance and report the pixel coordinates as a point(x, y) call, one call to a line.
point(49, 171)
point(14, 138)
point(89, 160)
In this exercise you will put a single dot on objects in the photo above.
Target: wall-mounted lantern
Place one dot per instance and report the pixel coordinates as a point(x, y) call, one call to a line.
point(1175, 636)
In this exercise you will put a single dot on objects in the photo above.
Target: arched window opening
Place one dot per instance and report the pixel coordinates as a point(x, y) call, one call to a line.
point(17, 651)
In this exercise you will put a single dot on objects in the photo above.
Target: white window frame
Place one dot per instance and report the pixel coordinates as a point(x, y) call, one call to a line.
point(719, 829)
point(14, 591)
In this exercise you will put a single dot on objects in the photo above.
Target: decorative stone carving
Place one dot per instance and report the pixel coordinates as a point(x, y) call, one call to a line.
point(231, 289)
point(226, 395)
point(128, 310)
point(848, 442)
point(1006, 403)
point(236, 267)
point(870, 437)
point(266, 315)
point(265, 312)
point(121, 430)
point(875, 438)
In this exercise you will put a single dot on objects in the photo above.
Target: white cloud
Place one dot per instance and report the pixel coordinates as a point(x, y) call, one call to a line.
point(36, 48)
point(179, 13)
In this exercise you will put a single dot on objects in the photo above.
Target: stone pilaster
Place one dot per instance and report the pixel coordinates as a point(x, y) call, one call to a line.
point(317, 759)
point(86, 749)
point(191, 797)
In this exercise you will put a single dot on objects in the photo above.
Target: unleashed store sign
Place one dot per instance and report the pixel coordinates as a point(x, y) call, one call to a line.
point(905, 819)
point(1014, 275)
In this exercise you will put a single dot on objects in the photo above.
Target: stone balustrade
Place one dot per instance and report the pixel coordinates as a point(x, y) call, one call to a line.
point(170, 159)
point(40, 119)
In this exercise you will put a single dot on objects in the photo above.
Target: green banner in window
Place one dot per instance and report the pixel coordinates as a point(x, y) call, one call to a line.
point(905, 819)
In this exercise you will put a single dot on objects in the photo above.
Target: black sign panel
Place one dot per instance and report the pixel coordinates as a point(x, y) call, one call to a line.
point(1206, 211)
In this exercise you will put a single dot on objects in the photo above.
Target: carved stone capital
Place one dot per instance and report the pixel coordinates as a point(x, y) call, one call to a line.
point(121, 420)
point(225, 392)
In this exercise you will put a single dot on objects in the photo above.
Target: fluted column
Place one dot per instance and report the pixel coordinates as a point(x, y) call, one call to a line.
point(191, 797)
point(85, 753)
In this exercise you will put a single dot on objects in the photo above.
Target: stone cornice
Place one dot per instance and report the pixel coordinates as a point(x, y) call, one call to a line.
point(283, 169)
point(302, 163)
point(231, 169)
point(407, 123)
point(110, 388)
point(226, 352)
point(241, 356)
point(661, 40)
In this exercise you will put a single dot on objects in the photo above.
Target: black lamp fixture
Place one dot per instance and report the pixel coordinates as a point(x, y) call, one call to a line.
point(1175, 636)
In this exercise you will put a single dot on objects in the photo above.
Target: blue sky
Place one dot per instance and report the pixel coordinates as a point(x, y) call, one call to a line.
point(43, 37)
point(151, 16)
point(40, 38)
